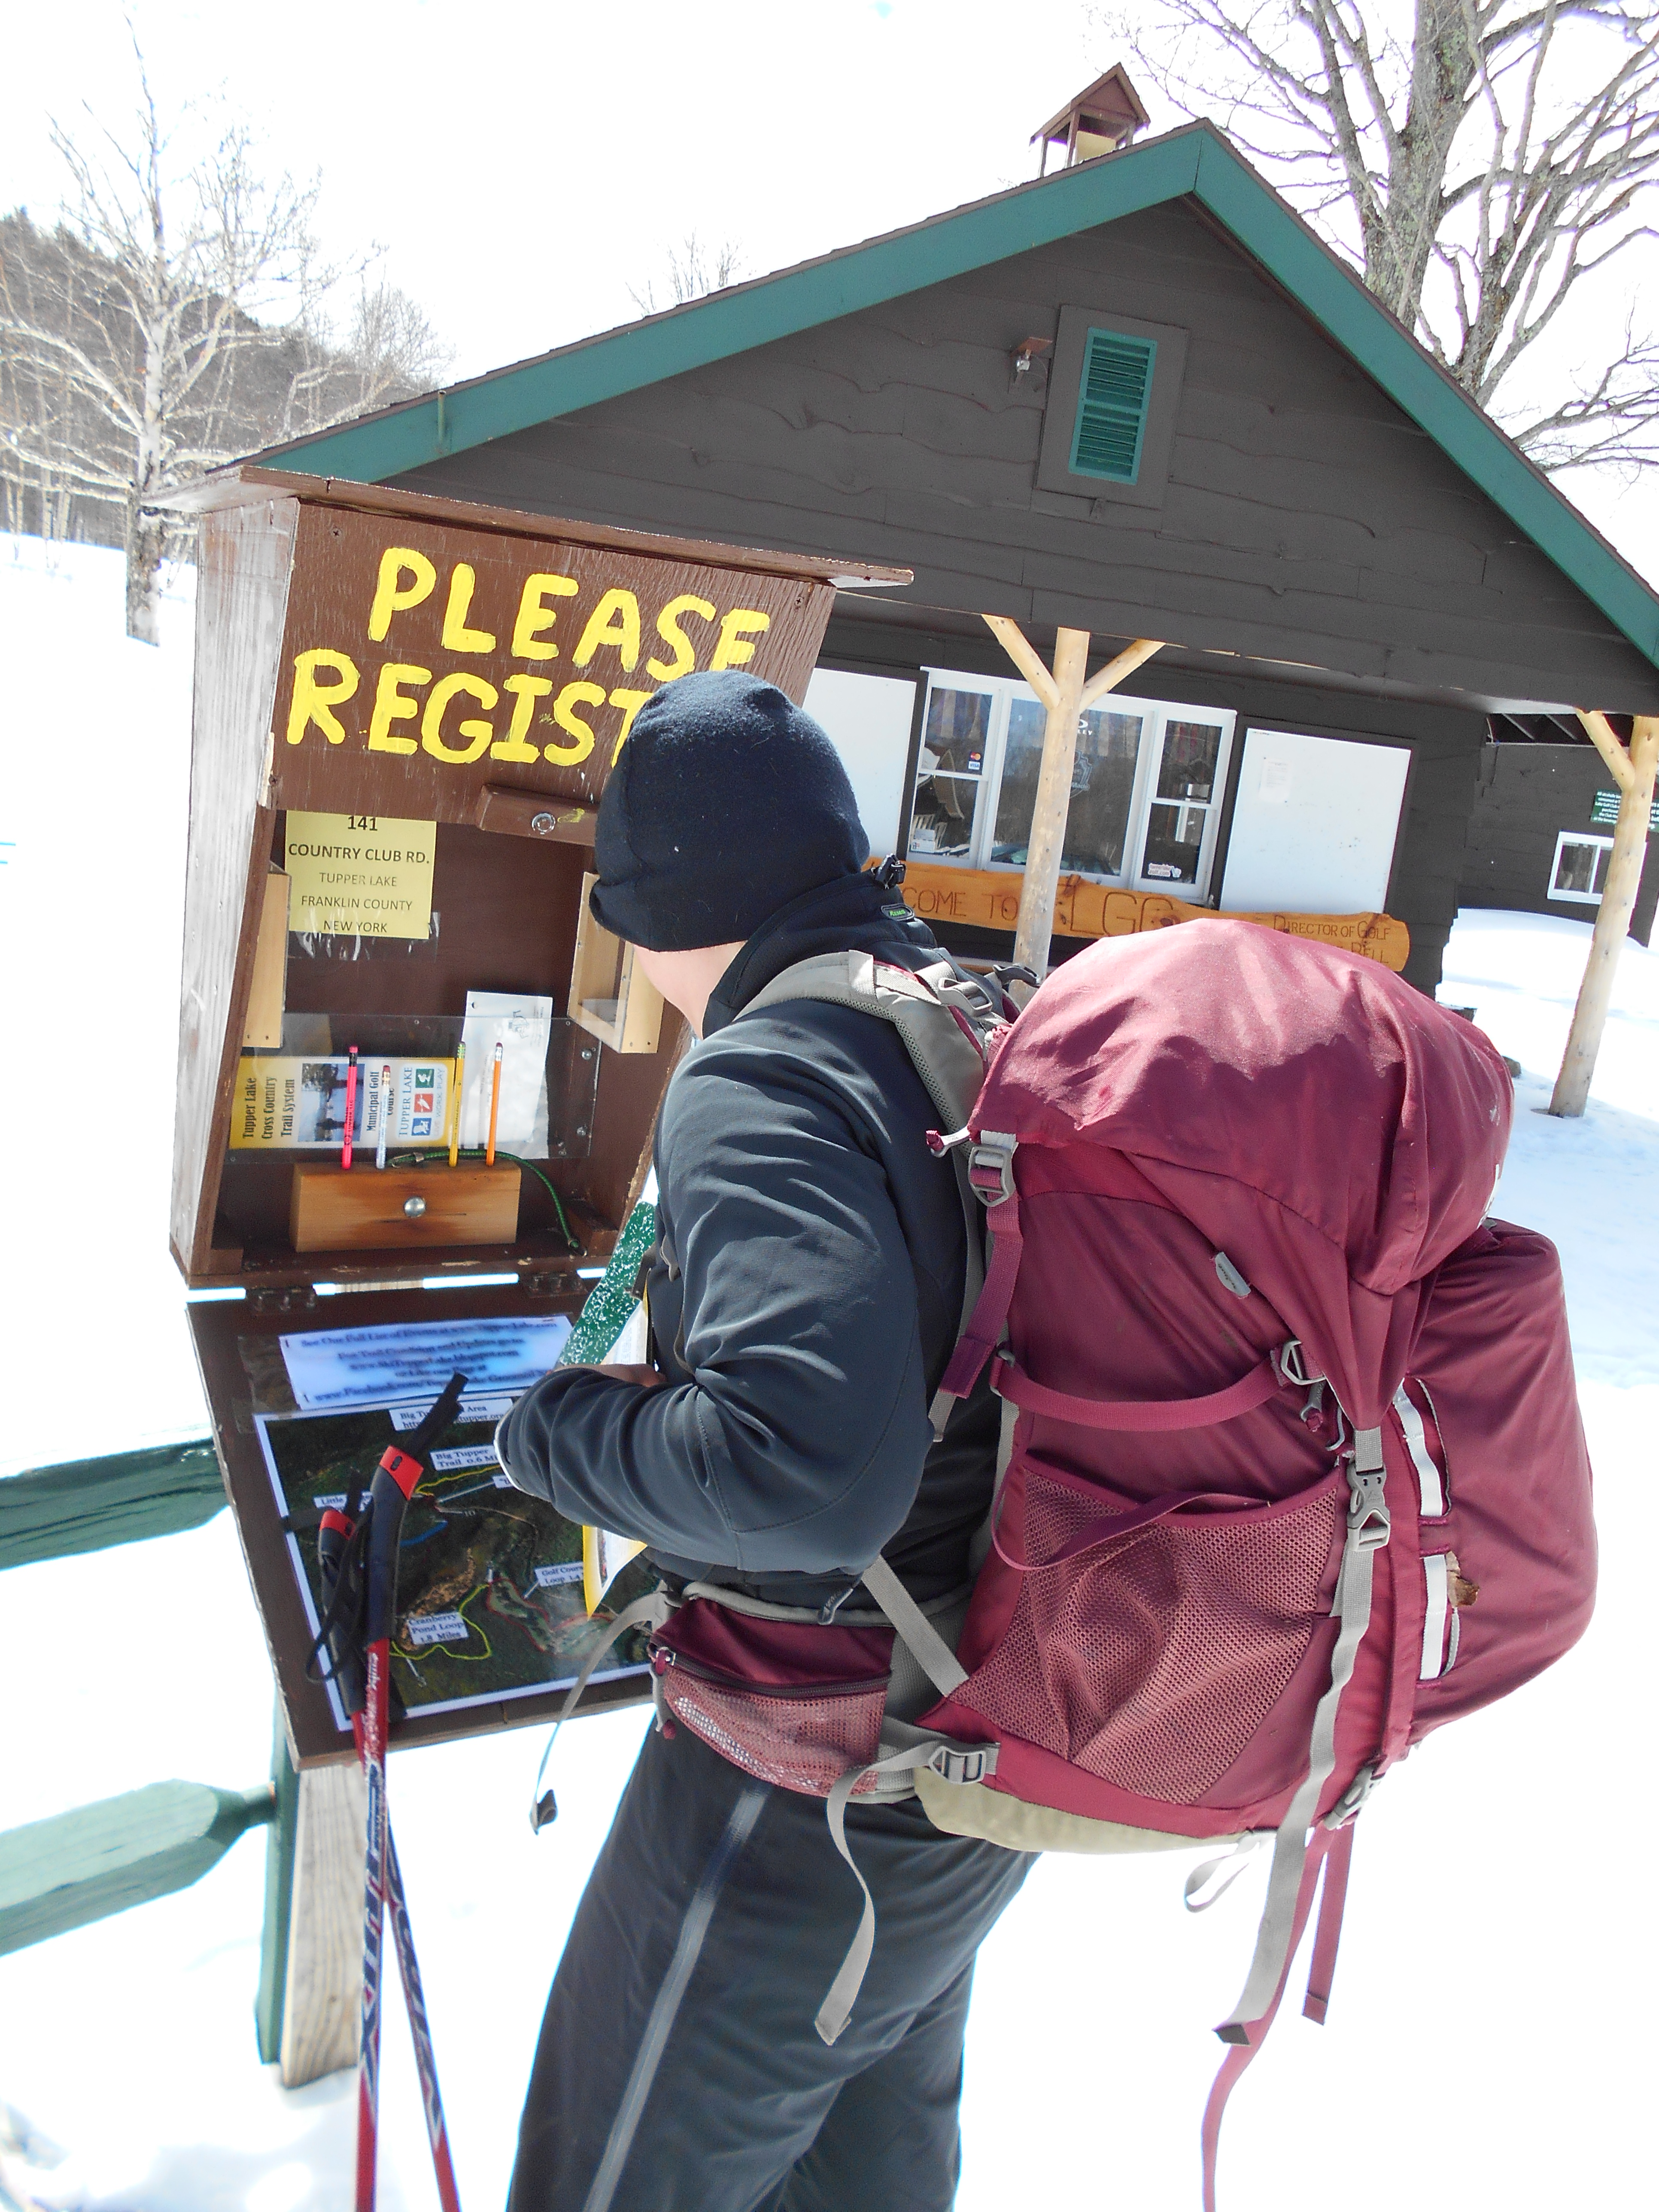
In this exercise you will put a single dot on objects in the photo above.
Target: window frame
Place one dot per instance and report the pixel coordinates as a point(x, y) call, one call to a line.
point(1155, 716)
point(1564, 838)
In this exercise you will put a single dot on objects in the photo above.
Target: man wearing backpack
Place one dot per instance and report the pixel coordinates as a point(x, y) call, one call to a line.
point(803, 1299)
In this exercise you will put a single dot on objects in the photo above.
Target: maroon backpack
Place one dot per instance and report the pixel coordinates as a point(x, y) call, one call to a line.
point(1292, 1467)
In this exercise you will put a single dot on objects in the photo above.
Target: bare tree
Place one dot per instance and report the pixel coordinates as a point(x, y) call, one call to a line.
point(142, 377)
point(1486, 163)
point(694, 270)
point(387, 351)
point(41, 280)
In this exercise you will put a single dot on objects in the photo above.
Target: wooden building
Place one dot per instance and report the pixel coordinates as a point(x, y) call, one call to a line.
point(1540, 834)
point(1136, 397)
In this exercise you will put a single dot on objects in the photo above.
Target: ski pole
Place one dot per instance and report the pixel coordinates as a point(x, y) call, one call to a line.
point(426, 2061)
point(426, 2064)
point(400, 1468)
point(337, 1558)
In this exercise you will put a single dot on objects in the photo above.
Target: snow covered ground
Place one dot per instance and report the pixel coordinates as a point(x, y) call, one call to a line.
point(1490, 2038)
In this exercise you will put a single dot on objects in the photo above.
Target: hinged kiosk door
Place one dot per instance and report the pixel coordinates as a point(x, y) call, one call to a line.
point(406, 710)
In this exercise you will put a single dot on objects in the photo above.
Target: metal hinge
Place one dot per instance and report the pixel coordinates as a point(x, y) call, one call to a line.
point(281, 1297)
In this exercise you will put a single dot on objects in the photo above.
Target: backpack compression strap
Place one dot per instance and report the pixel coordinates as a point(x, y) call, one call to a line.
point(1367, 1534)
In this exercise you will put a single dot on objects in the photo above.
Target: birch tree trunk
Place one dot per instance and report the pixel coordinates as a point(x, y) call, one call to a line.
point(146, 537)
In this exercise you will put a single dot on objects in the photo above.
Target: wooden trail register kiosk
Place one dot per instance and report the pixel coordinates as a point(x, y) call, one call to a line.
point(405, 711)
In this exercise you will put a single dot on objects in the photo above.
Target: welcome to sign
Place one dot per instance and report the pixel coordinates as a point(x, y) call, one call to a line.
point(421, 660)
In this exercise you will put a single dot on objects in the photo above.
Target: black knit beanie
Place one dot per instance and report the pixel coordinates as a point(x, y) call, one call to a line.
point(728, 801)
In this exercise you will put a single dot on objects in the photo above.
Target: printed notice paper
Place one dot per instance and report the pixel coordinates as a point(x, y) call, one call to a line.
point(333, 1368)
point(289, 1103)
point(360, 875)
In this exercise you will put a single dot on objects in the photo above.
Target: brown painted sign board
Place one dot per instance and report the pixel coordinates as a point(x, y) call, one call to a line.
point(989, 898)
point(364, 653)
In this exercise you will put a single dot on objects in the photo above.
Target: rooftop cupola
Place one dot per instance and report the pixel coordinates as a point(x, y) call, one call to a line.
point(1100, 119)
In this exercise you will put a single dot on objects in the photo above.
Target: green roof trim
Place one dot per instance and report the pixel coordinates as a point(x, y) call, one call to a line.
point(1192, 162)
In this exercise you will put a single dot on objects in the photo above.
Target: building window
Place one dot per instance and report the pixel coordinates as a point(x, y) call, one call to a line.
point(1113, 399)
point(1146, 785)
point(955, 735)
point(1580, 869)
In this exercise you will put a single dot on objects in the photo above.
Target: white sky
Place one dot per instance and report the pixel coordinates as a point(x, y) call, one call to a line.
point(523, 164)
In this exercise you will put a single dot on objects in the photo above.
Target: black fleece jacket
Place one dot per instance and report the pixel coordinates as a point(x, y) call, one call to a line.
point(804, 1296)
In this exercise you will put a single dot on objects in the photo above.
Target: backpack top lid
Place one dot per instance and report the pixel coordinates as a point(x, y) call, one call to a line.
point(1334, 1132)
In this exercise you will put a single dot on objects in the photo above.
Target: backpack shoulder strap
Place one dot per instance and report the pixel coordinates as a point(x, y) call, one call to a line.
point(946, 1024)
point(920, 1006)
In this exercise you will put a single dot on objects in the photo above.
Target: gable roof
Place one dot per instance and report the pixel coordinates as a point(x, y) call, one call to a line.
point(1194, 162)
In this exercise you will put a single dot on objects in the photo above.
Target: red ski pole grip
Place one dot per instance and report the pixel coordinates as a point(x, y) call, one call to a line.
point(404, 1470)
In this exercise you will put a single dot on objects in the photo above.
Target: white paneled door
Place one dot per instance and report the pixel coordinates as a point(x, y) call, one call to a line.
point(1314, 825)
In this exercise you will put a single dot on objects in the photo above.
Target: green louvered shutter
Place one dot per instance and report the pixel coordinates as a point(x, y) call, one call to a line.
point(1111, 406)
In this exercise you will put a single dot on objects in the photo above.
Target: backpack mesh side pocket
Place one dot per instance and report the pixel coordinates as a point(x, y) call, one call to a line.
point(1151, 1660)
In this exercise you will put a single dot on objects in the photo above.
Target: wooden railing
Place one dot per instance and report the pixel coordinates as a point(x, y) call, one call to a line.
point(103, 1858)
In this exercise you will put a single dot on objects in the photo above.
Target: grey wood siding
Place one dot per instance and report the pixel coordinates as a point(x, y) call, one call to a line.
point(1306, 519)
point(1525, 796)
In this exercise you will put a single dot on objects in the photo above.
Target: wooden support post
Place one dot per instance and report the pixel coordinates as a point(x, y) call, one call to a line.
point(1634, 773)
point(1067, 692)
point(321, 1947)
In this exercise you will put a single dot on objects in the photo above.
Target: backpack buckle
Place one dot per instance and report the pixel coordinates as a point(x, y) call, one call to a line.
point(1291, 1364)
point(1369, 1519)
point(991, 1166)
point(1347, 1806)
point(963, 1763)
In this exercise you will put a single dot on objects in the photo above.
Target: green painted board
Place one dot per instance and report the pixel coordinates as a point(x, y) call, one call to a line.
point(86, 1504)
point(612, 1300)
point(83, 1866)
point(282, 1841)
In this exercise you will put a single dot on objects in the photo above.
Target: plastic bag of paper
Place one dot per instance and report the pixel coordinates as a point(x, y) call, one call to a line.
point(521, 1025)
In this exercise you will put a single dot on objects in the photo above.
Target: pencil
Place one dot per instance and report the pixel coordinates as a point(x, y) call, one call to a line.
point(385, 1112)
point(351, 1106)
point(455, 1103)
point(494, 1104)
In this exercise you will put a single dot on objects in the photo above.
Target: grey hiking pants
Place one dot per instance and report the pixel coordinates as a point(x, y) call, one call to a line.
point(678, 2070)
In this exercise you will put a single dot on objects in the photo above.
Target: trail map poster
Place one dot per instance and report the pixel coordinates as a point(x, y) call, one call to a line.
point(489, 1581)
